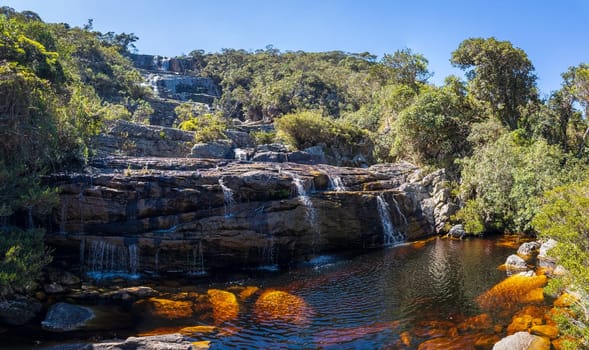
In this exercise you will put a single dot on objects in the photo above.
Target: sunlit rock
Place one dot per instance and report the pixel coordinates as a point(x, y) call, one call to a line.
point(515, 263)
point(275, 306)
point(167, 342)
point(225, 305)
point(432, 329)
point(512, 291)
point(547, 331)
point(166, 308)
point(486, 341)
point(197, 330)
point(248, 292)
point(528, 249)
point(566, 300)
point(522, 341)
point(201, 345)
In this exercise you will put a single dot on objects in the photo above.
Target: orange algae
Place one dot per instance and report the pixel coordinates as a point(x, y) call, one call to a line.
point(225, 306)
point(282, 307)
point(171, 309)
point(512, 291)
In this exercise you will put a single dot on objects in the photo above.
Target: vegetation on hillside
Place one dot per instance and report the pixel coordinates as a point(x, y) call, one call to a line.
point(58, 85)
point(505, 144)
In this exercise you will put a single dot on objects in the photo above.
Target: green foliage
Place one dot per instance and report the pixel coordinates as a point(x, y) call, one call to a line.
point(306, 129)
point(503, 181)
point(432, 130)
point(407, 68)
point(22, 257)
point(263, 137)
point(500, 76)
point(564, 216)
point(207, 127)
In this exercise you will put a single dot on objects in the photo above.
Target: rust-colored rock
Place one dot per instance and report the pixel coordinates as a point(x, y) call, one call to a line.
point(463, 342)
point(512, 291)
point(478, 322)
point(282, 308)
point(338, 336)
point(566, 300)
point(166, 308)
point(547, 331)
point(486, 341)
point(225, 305)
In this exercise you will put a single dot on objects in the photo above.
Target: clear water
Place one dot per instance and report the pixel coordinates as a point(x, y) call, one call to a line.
point(365, 302)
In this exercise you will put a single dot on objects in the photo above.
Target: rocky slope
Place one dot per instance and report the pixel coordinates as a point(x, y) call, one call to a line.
point(191, 215)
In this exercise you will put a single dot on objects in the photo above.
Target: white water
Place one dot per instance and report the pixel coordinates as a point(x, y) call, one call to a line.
point(197, 261)
point(310, 212)
point(335, 183)
point(228, 199)
point(108, 260)
point(390, 234)
point(240, 154)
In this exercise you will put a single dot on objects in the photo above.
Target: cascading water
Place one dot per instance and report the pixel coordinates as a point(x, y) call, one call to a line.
point(228, 198)
point(335, 183)
point(197, 261)
point(106, 259)
point(391, 236)
point(310, 212)
point(240, 154)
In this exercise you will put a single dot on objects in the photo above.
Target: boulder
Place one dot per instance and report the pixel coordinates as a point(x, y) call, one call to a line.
point(59, 276)
point(157, 342)
point(457, 231)
point(240, 139)
point(515, 262)
point(522, 341)
point(546, 246)
point(53, 288)
point(528, 249)
point(218, 149)
point(64, 317)
point(18, 312)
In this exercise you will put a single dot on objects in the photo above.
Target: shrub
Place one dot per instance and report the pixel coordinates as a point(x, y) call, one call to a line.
point(207, 127)
point(305, 129)
point(263, 137)
point(22, 257)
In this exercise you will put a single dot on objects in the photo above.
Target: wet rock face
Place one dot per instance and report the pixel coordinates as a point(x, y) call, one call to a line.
point(188, 214)
point(64, 317)
point(19, 311)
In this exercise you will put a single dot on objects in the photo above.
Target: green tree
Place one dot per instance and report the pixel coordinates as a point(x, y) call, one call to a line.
point(564, 216)
point(576, 84)
point(407, 68)
point(500, 76)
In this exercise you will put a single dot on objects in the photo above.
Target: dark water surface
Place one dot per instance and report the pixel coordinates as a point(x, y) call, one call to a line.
point(365, 302)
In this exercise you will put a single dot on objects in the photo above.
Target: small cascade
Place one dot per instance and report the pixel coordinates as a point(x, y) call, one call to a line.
point(240, 154)
point(399, 212)
point(106, 259)
point(161, 63)
point(390, 234)
point(156, 260)
point(81, 205)
point(335, 183)
point(82, 251)
point(228, 198)
point(270, 255)
point(197, 261)
point(310, 212)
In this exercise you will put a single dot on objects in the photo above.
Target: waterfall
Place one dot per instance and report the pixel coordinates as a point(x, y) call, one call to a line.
point(310, 212)
point(390, 234)
point(197, 261)
point(240, 154)
point(106, 259)
point(228, 198)
point(335, 183)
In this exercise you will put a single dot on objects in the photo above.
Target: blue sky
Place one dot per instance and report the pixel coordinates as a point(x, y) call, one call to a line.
point(553, 33)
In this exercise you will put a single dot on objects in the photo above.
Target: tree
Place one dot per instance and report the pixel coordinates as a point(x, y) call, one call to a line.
point(500, 76)
point(564, 216)
point(576, 83)
point(407, 68)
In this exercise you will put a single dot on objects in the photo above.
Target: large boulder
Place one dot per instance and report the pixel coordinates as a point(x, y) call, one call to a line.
point(64, 317)
point(18, 312)
point(528, 249)
point(515, 262)
point(158, 342)
point(218, 149)
point(457, 231)
point(522, 341)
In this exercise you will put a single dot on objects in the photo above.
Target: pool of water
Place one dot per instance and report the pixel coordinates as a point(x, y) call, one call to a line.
point(398, 297)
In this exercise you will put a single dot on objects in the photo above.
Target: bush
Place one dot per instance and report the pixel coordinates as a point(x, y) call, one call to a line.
point(306, 129)
point(564, 216)
point(502, 182)
point(22, 257)
point(207, 127)
point(263, 137)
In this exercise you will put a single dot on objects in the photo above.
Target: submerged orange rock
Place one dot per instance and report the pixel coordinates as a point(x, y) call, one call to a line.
point(513, 290)
point(275, 306)
point(171, 309)
point(343, 335)
point(225, 305)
